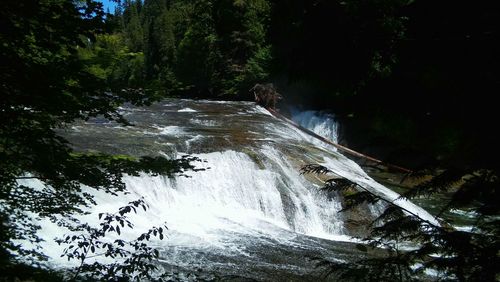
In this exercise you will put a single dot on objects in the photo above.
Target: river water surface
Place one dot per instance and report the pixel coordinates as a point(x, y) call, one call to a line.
point(250, 215)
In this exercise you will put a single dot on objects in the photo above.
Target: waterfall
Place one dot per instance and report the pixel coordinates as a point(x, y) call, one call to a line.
point(251, 200)
point(236, 195)
point(321, 123)
point(324, 124)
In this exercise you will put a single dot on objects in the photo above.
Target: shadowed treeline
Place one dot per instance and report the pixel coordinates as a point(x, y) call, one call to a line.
point(399, 69)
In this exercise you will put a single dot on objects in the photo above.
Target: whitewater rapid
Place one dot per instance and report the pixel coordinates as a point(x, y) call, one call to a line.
point(249, 207)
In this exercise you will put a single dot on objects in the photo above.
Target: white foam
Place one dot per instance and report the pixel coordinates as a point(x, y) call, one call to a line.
point(187, 110)
point(320, 123)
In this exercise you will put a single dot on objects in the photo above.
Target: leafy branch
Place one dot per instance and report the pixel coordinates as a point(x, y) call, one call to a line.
point(136, 256)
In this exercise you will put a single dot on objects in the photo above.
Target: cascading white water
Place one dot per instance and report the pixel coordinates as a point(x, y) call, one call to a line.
point(252, 196)
point(321, 123)
point(324, 125)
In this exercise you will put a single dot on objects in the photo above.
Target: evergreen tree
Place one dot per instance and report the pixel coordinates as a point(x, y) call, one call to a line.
point(200, 47)
point(242, 27)
point(153, 9)
point(132, 25)
point(198, 54)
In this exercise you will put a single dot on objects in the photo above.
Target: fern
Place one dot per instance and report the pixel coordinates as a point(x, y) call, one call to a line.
point(444, 181)
point(339, 184)
point(314, 168)
point(454, 254)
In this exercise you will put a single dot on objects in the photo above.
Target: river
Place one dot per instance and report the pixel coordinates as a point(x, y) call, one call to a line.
point(250, 215)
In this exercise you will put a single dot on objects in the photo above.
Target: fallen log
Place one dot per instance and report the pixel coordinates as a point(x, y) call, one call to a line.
point(338, 146)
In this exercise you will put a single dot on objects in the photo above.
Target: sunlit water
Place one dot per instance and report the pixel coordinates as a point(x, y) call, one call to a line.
point(250, 214)
point(321, 123)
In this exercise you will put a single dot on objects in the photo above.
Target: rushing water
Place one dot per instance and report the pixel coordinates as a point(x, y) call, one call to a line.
point(321, 123)
point(250, 214)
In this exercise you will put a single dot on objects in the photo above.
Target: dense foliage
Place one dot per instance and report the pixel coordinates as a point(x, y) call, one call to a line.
point(209, 48)
point(45, 84)
point(196, 48)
